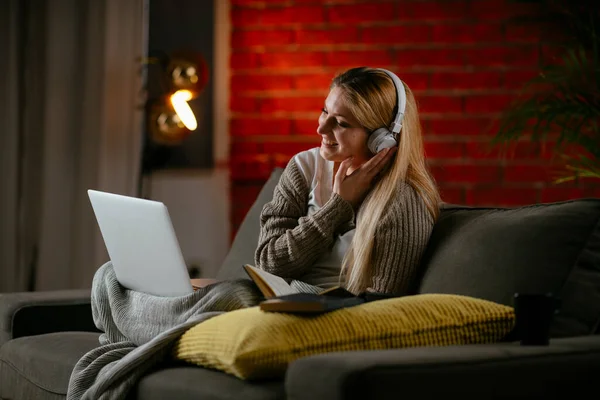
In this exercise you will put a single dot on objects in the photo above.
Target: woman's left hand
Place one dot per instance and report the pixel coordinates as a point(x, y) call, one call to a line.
point(355, 186)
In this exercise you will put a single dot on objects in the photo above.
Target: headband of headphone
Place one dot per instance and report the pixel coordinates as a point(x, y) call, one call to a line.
point(400, 101)
point(387, 137)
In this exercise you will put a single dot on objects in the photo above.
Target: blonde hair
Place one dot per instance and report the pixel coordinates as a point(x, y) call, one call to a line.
point(370, 96)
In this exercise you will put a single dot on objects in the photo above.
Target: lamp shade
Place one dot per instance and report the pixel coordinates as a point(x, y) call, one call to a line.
point(165, 125)
point(187, 71)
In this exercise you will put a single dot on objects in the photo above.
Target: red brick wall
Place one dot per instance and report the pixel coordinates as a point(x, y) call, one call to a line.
point(463, 59)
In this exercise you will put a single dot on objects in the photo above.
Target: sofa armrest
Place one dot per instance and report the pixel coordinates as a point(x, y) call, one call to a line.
point(503, 370)
point(35, 313)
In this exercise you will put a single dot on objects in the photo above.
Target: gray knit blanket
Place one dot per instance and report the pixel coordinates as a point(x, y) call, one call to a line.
point(139, 330)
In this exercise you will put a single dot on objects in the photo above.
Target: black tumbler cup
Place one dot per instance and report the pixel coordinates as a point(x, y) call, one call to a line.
point(534, 314)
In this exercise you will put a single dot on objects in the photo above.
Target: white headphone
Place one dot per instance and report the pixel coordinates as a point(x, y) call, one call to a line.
point(383, 138)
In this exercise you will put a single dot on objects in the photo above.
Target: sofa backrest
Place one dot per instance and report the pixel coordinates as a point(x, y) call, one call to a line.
point(493, 253)
point(246, 239)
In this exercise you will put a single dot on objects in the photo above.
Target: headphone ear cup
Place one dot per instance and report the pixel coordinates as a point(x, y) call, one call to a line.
point(380, 139)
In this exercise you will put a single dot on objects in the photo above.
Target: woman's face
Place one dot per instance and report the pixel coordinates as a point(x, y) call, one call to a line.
point(341, 135)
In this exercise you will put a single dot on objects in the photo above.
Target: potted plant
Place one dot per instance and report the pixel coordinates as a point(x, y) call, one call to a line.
point(561, 105)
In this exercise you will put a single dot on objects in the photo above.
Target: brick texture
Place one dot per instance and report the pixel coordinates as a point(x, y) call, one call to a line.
point(464, 59)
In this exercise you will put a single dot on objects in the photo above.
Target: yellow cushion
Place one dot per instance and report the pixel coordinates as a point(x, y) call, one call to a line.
point(251, 344)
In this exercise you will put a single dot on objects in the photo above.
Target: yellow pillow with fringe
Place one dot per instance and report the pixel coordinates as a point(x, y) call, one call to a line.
point(253, 344)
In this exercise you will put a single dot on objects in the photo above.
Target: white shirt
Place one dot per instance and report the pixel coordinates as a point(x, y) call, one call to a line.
point(318, 173)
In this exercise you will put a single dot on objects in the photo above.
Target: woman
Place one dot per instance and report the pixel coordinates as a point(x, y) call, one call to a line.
point(339, 212)
point(342, 214)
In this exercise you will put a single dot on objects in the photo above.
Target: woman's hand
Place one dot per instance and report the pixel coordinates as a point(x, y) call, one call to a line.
point(354, 187)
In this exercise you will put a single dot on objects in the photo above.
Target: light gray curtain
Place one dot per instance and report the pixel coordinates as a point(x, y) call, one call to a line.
point(70, 91)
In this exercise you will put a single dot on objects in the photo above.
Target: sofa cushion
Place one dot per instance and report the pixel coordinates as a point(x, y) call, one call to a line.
point(36, 367)
point(192, 382)
point(493, 253)
point(246, 239)
point(253, 344)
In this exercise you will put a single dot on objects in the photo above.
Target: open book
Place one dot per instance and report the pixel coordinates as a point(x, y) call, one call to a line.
point(281, 297)
point(272, 285)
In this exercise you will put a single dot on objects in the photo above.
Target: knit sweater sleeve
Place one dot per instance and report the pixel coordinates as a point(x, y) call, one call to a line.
point(290, 241)
point(400, 242)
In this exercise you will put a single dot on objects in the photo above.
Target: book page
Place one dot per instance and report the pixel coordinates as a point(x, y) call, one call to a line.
point(277, 284)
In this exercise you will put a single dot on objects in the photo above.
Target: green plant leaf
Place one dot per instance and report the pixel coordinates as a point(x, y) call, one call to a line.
point(562, 103)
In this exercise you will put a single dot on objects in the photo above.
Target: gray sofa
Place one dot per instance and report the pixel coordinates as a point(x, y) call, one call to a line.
point(489, 253)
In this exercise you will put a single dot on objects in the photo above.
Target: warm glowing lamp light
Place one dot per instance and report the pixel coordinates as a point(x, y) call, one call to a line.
point(179, 100)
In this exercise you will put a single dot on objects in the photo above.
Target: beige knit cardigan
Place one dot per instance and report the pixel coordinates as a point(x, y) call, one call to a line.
point(290, 241)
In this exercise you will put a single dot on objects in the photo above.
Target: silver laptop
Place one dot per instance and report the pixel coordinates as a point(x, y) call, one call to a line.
point(141, 244)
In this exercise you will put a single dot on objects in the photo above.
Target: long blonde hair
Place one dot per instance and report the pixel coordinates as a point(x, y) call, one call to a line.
point(370, 96)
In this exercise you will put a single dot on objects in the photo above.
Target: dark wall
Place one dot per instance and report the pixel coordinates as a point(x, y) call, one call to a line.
point(182, 25)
